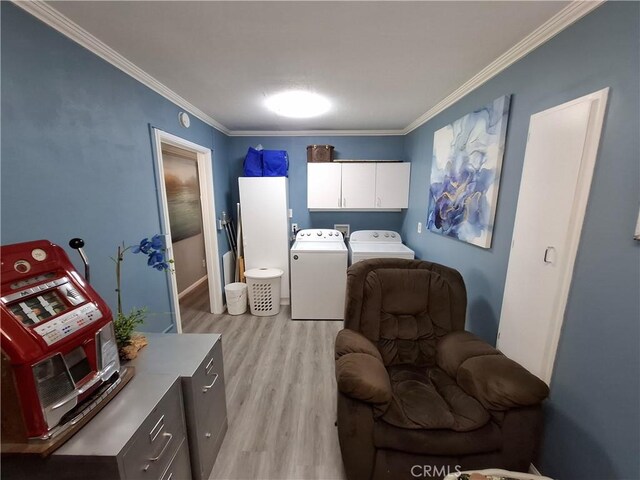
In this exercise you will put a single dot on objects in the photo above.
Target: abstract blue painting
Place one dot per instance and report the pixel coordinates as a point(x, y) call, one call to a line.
point(465, 174)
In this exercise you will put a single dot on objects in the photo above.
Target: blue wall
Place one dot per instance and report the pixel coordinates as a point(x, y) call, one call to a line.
point(364, 148)
point(77, 157)
point(593, 418)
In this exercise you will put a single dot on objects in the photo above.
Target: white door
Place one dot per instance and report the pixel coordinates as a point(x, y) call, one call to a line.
point(556, 179)
point(358, 185)
point(392, 185)
point(324, 182)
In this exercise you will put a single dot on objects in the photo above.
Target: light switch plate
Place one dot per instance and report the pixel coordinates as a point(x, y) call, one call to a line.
point(419, 227)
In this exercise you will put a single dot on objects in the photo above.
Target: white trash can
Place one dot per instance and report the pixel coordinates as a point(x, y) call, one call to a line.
point(236, 294)
point(264, 291)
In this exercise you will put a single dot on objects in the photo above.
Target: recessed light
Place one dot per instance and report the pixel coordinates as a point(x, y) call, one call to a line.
point(298, 104)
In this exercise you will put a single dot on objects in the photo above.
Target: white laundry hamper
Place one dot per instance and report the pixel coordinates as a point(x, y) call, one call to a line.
point(236, 294)
point(264, 290)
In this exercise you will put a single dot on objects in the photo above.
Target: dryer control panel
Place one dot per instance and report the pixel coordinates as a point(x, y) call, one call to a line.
point(380, 236)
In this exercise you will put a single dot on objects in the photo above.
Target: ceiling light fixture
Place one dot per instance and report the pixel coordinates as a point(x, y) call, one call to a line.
point(298, 104)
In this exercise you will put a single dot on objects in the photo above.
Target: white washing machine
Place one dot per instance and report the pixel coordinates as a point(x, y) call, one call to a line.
point(318, 275)
point(365, 244)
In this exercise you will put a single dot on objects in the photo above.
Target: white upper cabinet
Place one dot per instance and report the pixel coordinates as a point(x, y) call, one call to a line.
point(392, 185)
point(324, 185)
point(357, 180)
point(358, 185)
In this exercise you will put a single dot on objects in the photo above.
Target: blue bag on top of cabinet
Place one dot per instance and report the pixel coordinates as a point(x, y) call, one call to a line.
point(253, 163)
point(275, 163)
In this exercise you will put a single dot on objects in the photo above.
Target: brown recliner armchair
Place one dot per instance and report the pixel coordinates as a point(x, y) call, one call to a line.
point(418, 397)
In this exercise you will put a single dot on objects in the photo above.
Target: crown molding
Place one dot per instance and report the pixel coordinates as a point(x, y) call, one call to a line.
point(50, 16)
point(561, 20)
point(315, 133)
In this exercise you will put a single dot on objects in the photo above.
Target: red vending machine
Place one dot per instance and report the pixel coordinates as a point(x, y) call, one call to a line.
point(59, 353)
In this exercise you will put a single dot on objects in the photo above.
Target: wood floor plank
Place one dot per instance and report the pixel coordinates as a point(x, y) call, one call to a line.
point(281, 393)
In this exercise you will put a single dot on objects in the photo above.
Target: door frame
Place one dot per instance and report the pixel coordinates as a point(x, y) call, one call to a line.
point(578, 210)
point(204, 164)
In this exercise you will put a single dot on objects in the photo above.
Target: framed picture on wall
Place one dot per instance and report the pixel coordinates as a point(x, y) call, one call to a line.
point(465, 174)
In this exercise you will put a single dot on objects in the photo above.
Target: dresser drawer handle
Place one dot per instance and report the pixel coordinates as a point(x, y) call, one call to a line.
point(157, 429)
point(206, 388)
point(209, 365)
point(164, 449)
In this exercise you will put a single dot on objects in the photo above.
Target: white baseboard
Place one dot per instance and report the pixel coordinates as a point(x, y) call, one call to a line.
point(192, 287)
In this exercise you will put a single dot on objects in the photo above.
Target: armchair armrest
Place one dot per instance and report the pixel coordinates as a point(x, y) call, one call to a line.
point(363, 377)
point(350, 341)
point(360, 372)
point(496, 381)
point(499, 383)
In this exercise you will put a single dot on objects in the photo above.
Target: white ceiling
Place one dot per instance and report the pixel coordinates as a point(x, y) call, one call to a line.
point(382, 64)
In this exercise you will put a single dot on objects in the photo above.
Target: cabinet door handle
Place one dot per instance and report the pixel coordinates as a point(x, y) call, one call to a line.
point(378, 202)
point(206, 388)
point(548, 254)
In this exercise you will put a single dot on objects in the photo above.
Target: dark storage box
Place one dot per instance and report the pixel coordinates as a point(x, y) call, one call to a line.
point(320, 153)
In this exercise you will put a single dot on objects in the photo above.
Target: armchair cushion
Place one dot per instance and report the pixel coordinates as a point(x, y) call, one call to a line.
point(363, 377)
point(429, 399)
point(499, 383)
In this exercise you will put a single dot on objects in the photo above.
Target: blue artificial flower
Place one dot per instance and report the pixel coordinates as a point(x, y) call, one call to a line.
point(144, 246)
point(154, 258)
point(156, 242)
point(154, 250)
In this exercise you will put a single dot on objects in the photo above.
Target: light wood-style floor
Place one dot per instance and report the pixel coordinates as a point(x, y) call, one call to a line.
point(281, 394)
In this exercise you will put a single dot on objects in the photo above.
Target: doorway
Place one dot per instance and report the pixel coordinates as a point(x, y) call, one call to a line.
point(186, 198)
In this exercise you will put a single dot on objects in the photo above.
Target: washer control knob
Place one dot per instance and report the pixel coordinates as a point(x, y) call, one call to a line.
point(393, 235)
point(319, 233)
point(386, 235)
point(374, 234)
point(295, 257)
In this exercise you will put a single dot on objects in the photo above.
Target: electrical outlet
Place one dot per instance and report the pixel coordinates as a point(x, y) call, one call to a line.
point(204, 263)
point(419, 227)
point(294, 227)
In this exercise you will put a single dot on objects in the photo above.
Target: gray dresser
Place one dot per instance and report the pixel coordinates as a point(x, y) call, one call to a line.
point(140, 434)
point(197, 360)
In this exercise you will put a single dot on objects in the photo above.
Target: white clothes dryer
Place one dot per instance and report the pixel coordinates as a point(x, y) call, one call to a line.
point(365, 244)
